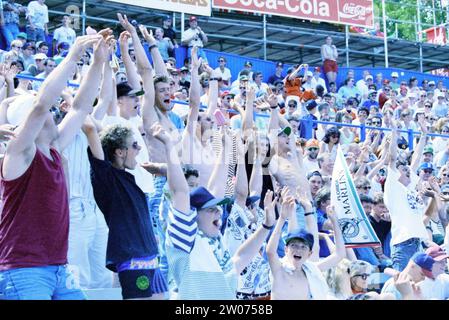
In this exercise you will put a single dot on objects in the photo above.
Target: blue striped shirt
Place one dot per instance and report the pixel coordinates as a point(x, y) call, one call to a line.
point(201, 267)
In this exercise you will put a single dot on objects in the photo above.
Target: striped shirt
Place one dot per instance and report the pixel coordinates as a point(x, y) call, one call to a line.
point(200, 265)
point(254, 279)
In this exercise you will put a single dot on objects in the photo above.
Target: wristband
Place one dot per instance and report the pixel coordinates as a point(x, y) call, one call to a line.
point(152, 46)
point(267, 227)
point(214, 79)
point(308, 213)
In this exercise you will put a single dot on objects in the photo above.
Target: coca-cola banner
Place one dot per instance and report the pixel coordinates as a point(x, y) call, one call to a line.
point(351, 12)
point(198, 7)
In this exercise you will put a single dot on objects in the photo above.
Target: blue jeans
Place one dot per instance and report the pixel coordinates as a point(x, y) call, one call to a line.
point(39, 283)
point(200, 53)
point(35, 35)
point(10, 32)
point(402, 252)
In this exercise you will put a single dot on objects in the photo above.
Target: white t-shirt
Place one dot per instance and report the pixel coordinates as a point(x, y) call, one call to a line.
point(64, 34)
point(437, 289)
point(405, 207)
point(143, 178)
point(38, 14)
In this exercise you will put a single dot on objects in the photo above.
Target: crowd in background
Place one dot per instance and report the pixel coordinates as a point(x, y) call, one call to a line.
point(194, 183)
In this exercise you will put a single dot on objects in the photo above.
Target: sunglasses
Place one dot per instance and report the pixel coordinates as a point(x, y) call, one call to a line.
point(428, 106)
point(445, 174)
point(376, 122)
point(366, 188)
point(135, 145)
point(312, 149)
point(428, 171)
point(292, 105)
point(242, 88)
point(221, 61)
point(364, 276)
point(334, 136)
point(445, 193)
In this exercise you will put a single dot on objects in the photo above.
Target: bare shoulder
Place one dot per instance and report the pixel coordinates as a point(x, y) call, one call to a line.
point(16, 164)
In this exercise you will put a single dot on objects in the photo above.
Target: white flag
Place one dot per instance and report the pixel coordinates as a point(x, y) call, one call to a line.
point(355, 226)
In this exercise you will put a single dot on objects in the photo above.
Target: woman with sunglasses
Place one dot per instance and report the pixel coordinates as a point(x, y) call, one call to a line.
point(132, 249)
point(359, 271)
point(330, 142)
point(225, 73)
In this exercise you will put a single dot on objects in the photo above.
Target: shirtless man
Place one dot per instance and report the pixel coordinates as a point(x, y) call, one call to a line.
point(286, 165)
point(297, 276)
point(162, 105)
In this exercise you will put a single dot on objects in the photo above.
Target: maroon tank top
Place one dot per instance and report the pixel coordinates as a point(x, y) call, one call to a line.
point(34, 221)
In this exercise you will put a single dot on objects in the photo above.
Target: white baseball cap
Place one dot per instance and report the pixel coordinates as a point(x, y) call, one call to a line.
point(19, 109)
point(394, 75)
point(41, 56)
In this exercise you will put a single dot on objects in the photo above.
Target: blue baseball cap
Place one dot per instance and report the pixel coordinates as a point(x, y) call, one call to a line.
point(425, 262)
point(200, 199)
point(301, 235)
point(426, 165)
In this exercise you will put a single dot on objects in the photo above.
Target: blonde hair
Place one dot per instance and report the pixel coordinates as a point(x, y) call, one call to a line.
point(335, 276)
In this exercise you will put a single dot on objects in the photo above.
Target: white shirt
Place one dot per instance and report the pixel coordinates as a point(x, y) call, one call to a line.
point(38, 14)
point(143, 178)
point(405, 207)
point(195, 41)
point(64, 34)
point(225, 74)
point(319, 81)
point(437, 289)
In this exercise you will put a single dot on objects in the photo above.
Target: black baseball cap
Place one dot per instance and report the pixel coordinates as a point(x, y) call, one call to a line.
point(125, 90)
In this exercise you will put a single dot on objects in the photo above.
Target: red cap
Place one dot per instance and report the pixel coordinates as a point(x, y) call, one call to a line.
point(437, 253)
point(192, 18)
point(386, 81)
point(317, 69)
point(226, 93)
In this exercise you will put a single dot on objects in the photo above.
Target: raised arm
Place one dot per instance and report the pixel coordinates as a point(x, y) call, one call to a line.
point(194, 96)
point(311, 221)
point(131, 72)
point(417, 154)
point(158, 62)
point(340, 252)
point(175, 177)
point(213, 91)
point(241, 181)
point(248, 115)
point(217, 181)
point(393, 146)
point(149, 115)
point(249, 249)
point(48, 94)
point(105, 98)
point(287, 211)
point(90, 130)
point(87, 92)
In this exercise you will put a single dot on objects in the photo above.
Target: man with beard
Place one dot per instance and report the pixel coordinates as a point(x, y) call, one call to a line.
point(310, 160)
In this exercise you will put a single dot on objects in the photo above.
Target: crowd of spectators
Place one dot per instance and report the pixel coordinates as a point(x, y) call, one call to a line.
point(113, 182)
